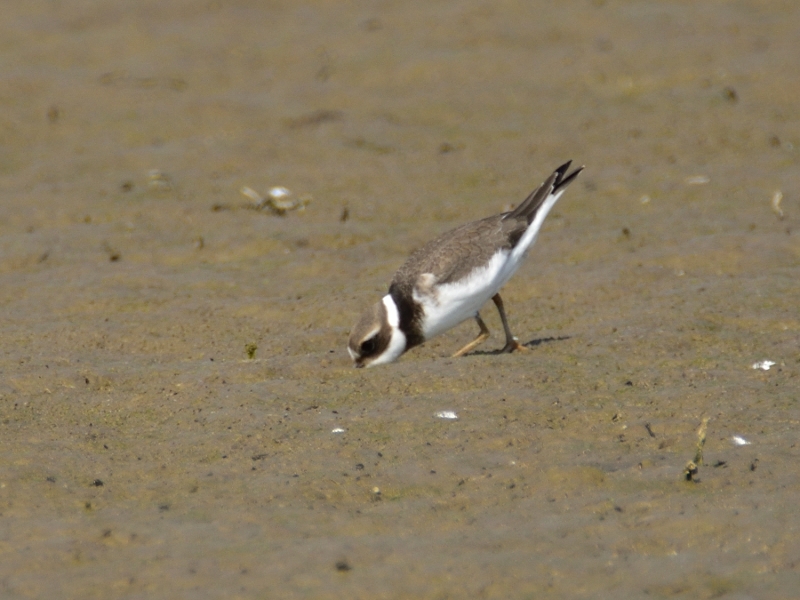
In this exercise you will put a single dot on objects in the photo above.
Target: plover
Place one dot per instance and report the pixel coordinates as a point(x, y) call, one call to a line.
point(450, 278)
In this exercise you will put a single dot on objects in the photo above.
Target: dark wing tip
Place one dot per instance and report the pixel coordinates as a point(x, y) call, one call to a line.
point(561, 171)
point(563, 181)
point(557, 180)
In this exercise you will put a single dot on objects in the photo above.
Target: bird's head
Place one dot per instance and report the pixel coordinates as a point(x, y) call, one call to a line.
point(377, 338)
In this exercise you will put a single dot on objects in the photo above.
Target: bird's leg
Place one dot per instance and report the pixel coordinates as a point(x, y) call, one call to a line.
point(478, 340)
point(511, 342)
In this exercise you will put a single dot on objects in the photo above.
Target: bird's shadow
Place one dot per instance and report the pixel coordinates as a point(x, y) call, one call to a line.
point(531, 344)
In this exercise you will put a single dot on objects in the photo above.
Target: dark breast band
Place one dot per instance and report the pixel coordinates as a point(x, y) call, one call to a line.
point(410, 315)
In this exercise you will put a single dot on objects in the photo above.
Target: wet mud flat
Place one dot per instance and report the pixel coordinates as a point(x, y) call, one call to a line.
point(178, 413)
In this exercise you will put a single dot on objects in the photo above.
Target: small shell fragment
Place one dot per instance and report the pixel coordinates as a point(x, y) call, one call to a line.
point(158, 180)
point(446, 414)
point(776, 204)
point(337, 430)
point(252, 195)
point(279, 199)
point(278, 192)
point(764, 365)
point(697, 180)
point(740, 441)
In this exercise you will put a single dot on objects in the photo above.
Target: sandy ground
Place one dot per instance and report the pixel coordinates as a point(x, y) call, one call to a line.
point(173, 363)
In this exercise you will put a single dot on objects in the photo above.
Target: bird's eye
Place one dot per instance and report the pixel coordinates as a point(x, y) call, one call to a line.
point(368, 347)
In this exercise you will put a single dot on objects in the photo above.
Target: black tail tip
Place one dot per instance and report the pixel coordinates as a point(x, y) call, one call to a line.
point(562, 179)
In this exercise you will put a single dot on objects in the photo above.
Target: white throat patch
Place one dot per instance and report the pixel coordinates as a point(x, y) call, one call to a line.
point(397, 341)
point(392, 314)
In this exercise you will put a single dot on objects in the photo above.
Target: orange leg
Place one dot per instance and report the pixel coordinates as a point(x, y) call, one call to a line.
point(482, 336)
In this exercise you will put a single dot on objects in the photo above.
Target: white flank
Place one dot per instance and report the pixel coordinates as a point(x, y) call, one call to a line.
point(455, 302)
point(397, 342)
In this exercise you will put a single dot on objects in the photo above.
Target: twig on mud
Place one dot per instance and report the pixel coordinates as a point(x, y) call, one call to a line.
point(691, 469)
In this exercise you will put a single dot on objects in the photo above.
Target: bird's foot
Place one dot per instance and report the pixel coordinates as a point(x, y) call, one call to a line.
point(513, 345)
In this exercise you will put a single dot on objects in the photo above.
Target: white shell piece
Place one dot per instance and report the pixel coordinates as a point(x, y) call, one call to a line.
point(764, 365)
point(278, 192)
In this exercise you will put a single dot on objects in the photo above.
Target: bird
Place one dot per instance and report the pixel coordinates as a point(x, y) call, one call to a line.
point(448, 280)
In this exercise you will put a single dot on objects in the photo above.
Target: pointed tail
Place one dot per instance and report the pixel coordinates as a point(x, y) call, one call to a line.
point(556, 183)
